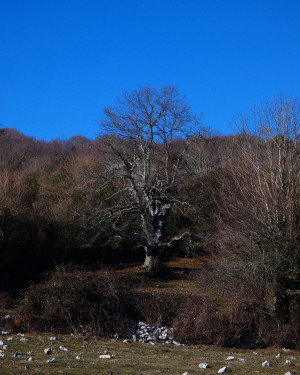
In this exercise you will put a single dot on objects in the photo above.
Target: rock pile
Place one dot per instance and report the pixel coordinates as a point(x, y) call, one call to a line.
point(145, 333)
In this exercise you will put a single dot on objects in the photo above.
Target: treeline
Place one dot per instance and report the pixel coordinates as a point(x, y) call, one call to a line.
point(243, 208)
point(50, 191)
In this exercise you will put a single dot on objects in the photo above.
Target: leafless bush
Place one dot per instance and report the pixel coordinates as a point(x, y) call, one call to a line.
point(98, 303)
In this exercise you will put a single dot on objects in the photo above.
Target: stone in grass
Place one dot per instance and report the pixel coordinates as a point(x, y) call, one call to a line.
point(48, 351)
point(23, 339)
point(17, 354)
point(5, 347)
point(186, 373)
point(77, 357)
point(30, 359)
point(265, 364)
point(53, 339)
point(52, 360)
point(288, 373)
point(63, 348)
point(204, 365)
point(279, 355)
point(26, 367)
point(106, 356)
point(222, 370)
point(1, 354)
point(230, 358)
point(288, 362)
point(1, 343)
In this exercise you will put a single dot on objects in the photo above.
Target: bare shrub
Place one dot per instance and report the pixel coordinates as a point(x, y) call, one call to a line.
point(98, 303)
point(158, 308)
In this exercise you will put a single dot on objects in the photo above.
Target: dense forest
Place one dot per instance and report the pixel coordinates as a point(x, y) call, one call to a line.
point(157, 183)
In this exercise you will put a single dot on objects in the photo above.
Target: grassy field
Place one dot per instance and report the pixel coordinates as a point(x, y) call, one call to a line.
point(139, 359)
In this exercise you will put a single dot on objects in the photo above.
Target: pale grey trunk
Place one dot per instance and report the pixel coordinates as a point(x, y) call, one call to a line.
point(151, 263)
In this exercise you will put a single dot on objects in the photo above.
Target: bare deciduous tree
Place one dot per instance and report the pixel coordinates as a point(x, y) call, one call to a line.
point(260, 199)
point(148, 134)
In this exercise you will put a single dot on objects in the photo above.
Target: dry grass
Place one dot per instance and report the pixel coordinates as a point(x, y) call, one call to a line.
point(138, 359)
point(176, 275)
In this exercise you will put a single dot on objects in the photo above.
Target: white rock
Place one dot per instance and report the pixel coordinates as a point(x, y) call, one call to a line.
point(286, 350)
point(106, 356)
point(203, 365)
point(52, 360)
point(9, 338)
point(5, 347)
point(230, 358)
point(222, 370)
point(29, 353)
point(254, 353)
point(63, 348)
point(53, 339)
point(48, 351)
point(1, 343)
point(77, 357)
point(1, 355)
point(21, 334)
point(17, 354)
point(265, 364)
point(176, 343)
point(288, 373)
point(23, 339)
point(279, 355)
point(30, 359)
point(26, 367)
point(186, 373)
point(242, 360)
point(288, 362)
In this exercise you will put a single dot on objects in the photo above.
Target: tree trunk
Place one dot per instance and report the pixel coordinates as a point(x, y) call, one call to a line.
point(152, 263)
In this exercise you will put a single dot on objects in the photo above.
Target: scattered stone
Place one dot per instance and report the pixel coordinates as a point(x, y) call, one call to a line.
point(63, 348)
point(53, 339)
point(286, 350)
point(17, 354)
point(48, 351)
point(29, 353)
point(254, 353)
point(1, 355)
point(106, 356)
point(21, 334)
point(288, 362)
point(9, 338)
point(30, 359)
point(1, 343)
point(4, 333)
point(52, 360)
point(127, 341)
point(265, 364)
point(5, 346)
point(26, 367)
point(288, 373)
point(9, 316)
point(23, 339)
point(77, 357)
point(279, 355)
point(186, 373)
point(204, 365)
point(230, 358)
point(242, 360)
point(222, 370)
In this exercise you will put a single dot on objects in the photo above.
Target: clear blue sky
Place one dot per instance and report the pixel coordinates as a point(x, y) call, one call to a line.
point(63, 61)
